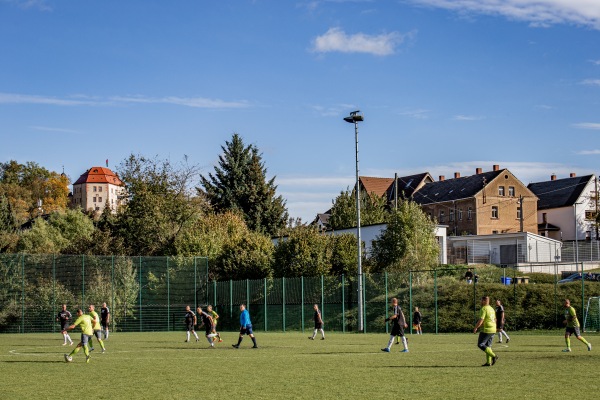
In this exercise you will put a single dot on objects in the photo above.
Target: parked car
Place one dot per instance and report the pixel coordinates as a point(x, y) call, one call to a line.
point(577, 277)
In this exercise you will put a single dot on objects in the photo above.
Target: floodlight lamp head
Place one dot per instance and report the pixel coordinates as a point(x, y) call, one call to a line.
point(354, 117)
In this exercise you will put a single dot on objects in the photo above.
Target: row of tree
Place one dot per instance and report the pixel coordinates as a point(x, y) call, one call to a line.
point(230, 216)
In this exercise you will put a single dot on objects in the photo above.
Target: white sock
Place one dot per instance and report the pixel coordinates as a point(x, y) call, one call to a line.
point(212, 335)
point(500, 336)
point(69, 338)
point(391, 342)
point(107, 333)
point(505, 334)
point(314, 333)
point(404, 343)
point(322, 333)
point(187, 336)
point(196, 335)
point(209, 339)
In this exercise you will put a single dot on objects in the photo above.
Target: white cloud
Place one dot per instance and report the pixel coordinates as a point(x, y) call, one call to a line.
point(82, 100)
point(419, 113)
point(588, 152)
point(536, 12)
point(468, 118)
point(595, 62)
point(336, 110)
point(41, 5)
point(591, 82)
point(588, 125)
point(336, 40)
point(49, 129)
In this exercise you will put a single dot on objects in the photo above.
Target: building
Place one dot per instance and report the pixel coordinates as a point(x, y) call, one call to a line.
point(98, 188)
point(481, 204)
point(567, 207)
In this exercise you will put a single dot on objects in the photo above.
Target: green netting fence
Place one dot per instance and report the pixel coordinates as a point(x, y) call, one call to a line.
point(150, 294)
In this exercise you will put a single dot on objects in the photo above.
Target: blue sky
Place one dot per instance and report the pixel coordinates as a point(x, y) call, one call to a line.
point(445, 86)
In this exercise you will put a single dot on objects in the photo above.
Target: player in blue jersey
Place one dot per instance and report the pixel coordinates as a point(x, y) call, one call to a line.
point(245, 327)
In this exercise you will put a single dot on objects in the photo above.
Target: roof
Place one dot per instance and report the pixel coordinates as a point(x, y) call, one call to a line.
point(544, 226)
point(560, 192)
point(407, 185)
point(99, 175)
point(455, 189)
point(378, 186)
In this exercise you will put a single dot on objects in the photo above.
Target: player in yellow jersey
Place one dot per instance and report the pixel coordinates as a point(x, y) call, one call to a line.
point(84, 321)
point(215, 317)
point(572, 324)
point(96, 327)
point(487, 321)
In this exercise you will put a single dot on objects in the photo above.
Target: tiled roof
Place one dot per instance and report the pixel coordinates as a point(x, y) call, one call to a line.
point(379, 186)
point(454, 189)
point(407, 185)
point(560, 192)
point(99, 175)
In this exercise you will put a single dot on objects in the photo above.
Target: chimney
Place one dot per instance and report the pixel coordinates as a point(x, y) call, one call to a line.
point(478, 171)
point(442, 178)
point(456, 175)
point(572, 175)
point(552, 177)
point(496, 167)
point(544, 218)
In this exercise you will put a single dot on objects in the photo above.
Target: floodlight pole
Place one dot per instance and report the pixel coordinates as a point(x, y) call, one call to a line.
point(354, 118)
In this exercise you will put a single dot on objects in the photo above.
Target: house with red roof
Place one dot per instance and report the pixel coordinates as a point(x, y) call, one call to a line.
point(97, 188)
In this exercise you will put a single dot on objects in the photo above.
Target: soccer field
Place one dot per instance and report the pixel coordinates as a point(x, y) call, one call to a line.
point(288, 365)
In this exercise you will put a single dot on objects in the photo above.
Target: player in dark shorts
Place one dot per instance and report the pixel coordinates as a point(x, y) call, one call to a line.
point(573, 325)
point(64, 317)
point(500, 320)
point(245, 327)
point(398, 325)
point(104, 319)
point(417, 321)
point(209, 326)
point(318, 323)
point(190, 322)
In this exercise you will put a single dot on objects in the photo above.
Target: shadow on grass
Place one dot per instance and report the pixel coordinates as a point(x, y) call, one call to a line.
point(425, 366)
point(35, 361)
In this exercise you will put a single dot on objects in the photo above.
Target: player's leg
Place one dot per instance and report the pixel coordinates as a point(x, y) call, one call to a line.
point(388, 348)
point(505, 335)
point(187, 334)
point(582, 339)
point(98, 334)
point(404, 341)
point(567, 340)
point(240, 338)
point(322, 334)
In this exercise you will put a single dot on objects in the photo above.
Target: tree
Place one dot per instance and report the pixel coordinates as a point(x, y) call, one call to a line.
point(409, 241)
point(343, 211)
point(8, 226)
point(160, 204)
point(239, 184)
point(305, 252)
point(249, 258)
point(344, 254)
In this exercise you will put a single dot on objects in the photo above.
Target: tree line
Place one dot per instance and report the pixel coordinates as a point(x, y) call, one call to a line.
point(230, 215)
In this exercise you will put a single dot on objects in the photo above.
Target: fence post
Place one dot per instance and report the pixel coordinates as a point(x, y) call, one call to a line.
point(283, 300)
point(23, 293)
point(409, 299)
point(302, 297)
point(343, 304)
point(364, 296)
point(436, 300)
point(53, 288)
point(206, 259)
point(215, 294)
point(168, 297)
point(140, 310)
point(265, 297)
point(556, 293)
point(112, 287)
point(230, 298)
point(582, 290)
point(83, 282)
point(386, 301)
point(248, 293)
point(195, 285)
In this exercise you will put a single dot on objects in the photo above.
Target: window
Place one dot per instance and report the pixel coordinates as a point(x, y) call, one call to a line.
point(518, 212)
point(590, 215)
point(451, 216)
point(94, 199)
point(469, 214)
point(494, 232)
point(100, 199)
point(511, 191)
point(460, 214)
point(441, 216)
point(494, 212)
point(99, 188)
point(95, 188)
point(500, 190)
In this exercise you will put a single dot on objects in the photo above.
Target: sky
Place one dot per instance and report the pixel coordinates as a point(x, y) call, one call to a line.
point(444, 86)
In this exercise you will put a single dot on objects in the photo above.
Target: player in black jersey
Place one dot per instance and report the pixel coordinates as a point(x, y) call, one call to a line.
point(64, 317)
point(318, 323)
point(398, 325)
point(104, 319)
point(190, 322)
point(209, 327)
point(500, 320)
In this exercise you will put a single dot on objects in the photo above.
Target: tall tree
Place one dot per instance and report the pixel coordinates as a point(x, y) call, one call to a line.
point(305, 252)
point(239, 183)
point(343, 211)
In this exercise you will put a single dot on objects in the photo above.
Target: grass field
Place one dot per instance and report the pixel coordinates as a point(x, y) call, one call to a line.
point(288, 365)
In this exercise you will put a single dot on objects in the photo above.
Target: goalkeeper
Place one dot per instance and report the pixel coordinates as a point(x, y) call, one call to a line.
point(398, 325)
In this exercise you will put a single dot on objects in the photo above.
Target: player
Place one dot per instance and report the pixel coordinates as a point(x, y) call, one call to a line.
point(208, 323)
point(318, 323)
point(417, 321)
point(105, 319)
point(64, 316)
point(487, 319)
point(572, 324)
point(245, 327)
point(84, 321)
point(500, 320)
point(96, 328)
point(190, 322)
point(215, 317)
point(398, 325)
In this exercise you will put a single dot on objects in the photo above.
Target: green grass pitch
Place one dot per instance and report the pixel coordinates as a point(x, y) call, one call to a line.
point(288, 365)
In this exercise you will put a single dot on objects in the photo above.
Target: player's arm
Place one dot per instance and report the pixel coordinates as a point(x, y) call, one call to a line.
point(478, 325)
point(403, 320)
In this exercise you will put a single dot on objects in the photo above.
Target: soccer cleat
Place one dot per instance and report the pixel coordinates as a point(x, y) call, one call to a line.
point(494, 360)
point(311, 338)
point(404, 351)
point(103, 351)
point(87, 359)
point(501, 341)
point(186, 341)
point(255, 347)
point(197, 340)
point(220, 340)
point(486, 365)
point(567, 350)
point(386, 350)
point(507, 340)
point(65, 343)
point(322, 338)
point(589, 345)
point(68, 358)
point(237, 346)
point(91, 349)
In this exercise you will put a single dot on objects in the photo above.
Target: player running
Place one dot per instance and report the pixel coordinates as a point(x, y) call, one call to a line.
point(500, 320)
point(572, 324)
point(209, 326)
point(245, 327)
point(96, 328)
point(318, 323)
point(64, 316)
point(190, 322)
point(487, 318)
point(398, 325)
point(215, 318)
point(105, 319)
point(84, 321)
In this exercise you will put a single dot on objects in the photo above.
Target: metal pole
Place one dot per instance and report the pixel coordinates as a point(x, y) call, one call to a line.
point(248, 294)
point(168, 297)
point(387, 328)
point(83, 282)
point(576, 243)
point(112, 287)
point(53, 288)
point(436, 300)
point(582, 289)
point(140, 311)
point(265, 297)
point(23, 293)
point(410, 306)
point(343, 304)
point(230, 298)
point(195, 285)
point(358, 238)
point(322, 298)
point(206, 259)
point(283, 301)
point(302, 300)
point(364, 305)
